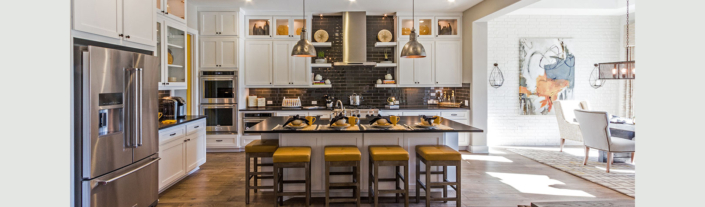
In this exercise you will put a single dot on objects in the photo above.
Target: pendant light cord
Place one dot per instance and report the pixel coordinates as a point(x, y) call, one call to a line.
point(627, 38)
point(304, 15)
point(413, 7)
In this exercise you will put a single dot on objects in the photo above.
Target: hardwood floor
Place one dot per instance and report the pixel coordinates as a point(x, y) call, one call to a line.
point(502, 178)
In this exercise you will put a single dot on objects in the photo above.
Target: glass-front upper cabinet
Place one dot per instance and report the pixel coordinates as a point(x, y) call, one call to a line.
point(159, 51)
point(259, 26)
point(299, 24)
point(175, 9)
point(281, 27)
point(171, 49)
point(423, 25)
point(448, 27)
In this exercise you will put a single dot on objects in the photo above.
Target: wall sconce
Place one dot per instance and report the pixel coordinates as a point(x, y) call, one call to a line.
point(496, 77)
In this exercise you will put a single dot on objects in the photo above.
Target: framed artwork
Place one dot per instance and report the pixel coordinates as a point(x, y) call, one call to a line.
point(547, 74)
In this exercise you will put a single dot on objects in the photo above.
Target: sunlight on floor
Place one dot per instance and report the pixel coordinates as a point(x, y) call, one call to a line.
point(497, 152)
point(536, 184)
point(486, 158)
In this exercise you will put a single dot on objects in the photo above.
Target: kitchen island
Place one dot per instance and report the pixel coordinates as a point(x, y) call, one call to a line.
point(362, 138)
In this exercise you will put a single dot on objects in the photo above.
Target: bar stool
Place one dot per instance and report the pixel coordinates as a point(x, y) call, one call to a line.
point(343, 156)
point(437, 155)
point(383, 155)
point(258, 149)
point(291, 157)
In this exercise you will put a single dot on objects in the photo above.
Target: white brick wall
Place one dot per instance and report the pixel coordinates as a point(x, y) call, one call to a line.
point(594, 39)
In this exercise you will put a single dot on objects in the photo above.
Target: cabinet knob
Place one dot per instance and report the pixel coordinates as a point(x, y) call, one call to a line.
point(167, 12)
point(120, 35)
point(128, 36)
point(162, 11)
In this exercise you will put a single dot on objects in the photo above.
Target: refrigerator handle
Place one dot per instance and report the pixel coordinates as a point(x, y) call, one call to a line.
point(140, 83)
point(105, 182)
point(133, 107)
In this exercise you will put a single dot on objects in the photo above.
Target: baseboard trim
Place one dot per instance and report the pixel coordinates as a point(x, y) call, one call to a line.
point(479, 149)
point(225, 150)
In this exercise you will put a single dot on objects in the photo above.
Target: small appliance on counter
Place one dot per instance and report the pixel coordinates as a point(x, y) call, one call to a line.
point(172, 107)
point(329, 101)
point(261, 102)
point(355, 100)
point(252, 101)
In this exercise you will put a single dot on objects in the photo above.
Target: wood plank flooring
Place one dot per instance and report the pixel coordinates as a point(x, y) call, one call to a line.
point(502, 178)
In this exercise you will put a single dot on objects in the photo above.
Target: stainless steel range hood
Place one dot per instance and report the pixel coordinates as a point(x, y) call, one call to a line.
point(354, 40)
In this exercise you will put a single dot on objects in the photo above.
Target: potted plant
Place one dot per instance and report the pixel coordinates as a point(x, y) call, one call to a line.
point(320, 58)
point(386, 57)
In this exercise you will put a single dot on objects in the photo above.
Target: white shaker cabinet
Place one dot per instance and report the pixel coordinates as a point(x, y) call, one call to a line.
point(417, 72)
point(122, 20)
point(182, 149)
point(258, 63)
point(448, 63)
point(288, 70)
point(218, 52)
point(218, 23)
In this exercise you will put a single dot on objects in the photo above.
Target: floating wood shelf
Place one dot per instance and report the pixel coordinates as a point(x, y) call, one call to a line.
point(385, 44)
point(321, 65)
point(385, 65)
point(321, 44)
point(321, 86)
point(386, 85)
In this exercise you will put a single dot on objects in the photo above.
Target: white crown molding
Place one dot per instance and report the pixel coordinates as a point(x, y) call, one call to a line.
point(570, 11)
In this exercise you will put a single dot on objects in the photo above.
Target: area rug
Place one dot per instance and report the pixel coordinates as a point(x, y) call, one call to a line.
point(621, 177)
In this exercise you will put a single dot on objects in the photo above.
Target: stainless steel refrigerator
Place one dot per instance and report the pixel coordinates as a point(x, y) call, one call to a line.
point(116, 127)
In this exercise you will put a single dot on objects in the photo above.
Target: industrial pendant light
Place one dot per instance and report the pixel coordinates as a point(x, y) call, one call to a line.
point(303, 48)
point(413, 49)
point(622, 69)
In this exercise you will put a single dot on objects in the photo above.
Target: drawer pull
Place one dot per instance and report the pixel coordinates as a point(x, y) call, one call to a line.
point(171, 135)
point(453, 114)
point(219, 140)
point(196, 127)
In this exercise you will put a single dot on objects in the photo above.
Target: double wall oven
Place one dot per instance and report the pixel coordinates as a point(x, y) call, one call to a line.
point(219, 100)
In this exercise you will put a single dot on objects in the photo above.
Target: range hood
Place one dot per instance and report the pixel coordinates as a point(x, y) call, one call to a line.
point(354, 40)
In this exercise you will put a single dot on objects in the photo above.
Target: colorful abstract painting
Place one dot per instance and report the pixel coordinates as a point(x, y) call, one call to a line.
point(547, 74)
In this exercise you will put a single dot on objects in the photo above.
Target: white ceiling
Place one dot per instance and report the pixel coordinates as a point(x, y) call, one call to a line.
point(334, 6)
point(577, 7)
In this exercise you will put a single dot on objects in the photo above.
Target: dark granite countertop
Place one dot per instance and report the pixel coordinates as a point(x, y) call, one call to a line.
point(401, 107)
point(268, 124)
point(184, 120)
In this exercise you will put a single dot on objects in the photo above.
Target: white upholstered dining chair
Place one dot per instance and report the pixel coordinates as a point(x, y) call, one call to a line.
point(567, 126)
point(595, 127)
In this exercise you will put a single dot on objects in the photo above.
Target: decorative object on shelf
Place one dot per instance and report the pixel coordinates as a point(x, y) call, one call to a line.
point(413, 49)
point(405, 31)
point(384, 35)
point(172, 79)
point(424, 30)
point(298, 31)
point(595, 80)
point(318, 77)
point(496, 77)
point(547, 74)
point(327, 81)
point(291, 102)
point(445, 30)
point(320, 36)
point(388, 76)
point(303, 47)
point(379, 81)
point(386, 57)
point(389, 82)
point(283, 30)
point(320, 58)
point(622, 69)
point(261, 102)
point(171, 57)
point(261, 30)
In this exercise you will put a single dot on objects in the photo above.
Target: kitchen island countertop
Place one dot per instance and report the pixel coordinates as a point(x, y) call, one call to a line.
point(180, 121)
point(268, 125)
point(401, 107)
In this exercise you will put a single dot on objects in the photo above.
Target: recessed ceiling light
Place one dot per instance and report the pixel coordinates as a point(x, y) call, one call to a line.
point(352, 0)
point(451, 0)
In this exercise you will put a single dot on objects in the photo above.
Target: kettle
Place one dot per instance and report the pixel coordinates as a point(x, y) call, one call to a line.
point(355, 99)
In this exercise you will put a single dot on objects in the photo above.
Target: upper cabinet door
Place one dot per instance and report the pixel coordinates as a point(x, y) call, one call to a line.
point(176, 9)
point(227, 49)
point(448, 63)
point(259, 26)
point(139, 25)
point(448, 27)
point(282, 63)
point(298, 24)
point(405, 25)
point(209, 52)
point(425, 27)
point(209, 22)
point(423, 67)
point(258, 63)
point(300, 69)
point(405, 71)
point(102, 17)
point(228, 23)
point(282, 27)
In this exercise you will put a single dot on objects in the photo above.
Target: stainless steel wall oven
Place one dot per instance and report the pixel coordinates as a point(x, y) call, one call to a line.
point(220, 117)
point(218, 87)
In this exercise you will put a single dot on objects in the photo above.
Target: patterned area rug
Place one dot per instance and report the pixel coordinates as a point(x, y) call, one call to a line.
point(621, 177)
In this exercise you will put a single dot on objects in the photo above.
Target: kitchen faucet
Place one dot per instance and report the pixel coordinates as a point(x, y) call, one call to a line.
point(342, 106)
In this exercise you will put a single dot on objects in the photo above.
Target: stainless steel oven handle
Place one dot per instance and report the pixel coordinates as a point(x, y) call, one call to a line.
point(105, 182)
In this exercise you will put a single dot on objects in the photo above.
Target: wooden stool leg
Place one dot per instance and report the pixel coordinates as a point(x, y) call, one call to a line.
point(247, 178)
point(327, 175)
point(396, 182)
point(255, 166)
point(458, 187)
point(376, 181)
point(445, 177)
point(281, 185)
point(308, 184)
point(357, 181)
point(428, 185)
point(418, 178)
point(369, 181)
point(406, 185)
point(276, 181)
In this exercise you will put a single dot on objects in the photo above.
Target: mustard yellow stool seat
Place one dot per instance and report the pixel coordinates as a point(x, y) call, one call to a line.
point(343, 156)
point(388, 155)
point(438, 155)
point(258, 149)
point(291, 157)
